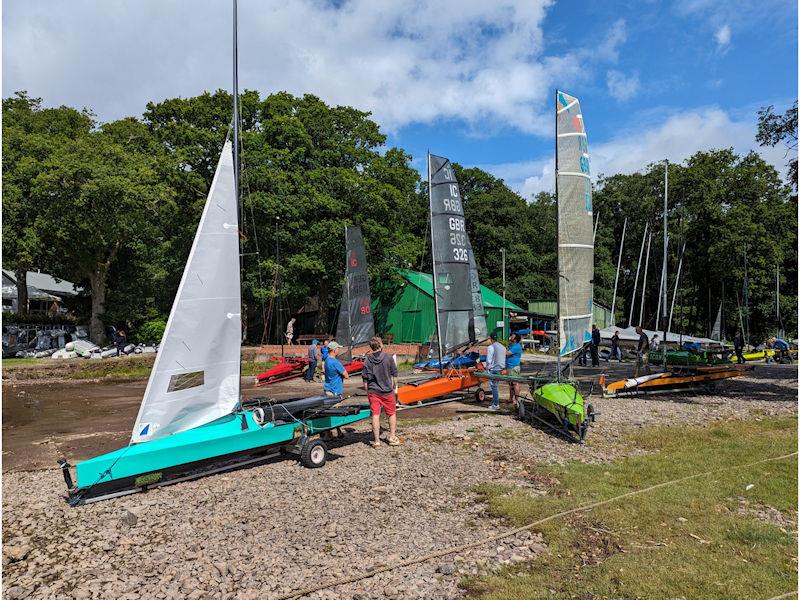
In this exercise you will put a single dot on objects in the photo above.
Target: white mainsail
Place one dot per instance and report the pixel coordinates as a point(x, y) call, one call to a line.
point(195, 378)
point(575, 234)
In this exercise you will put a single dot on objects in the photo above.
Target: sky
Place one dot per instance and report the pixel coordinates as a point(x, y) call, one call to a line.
point(468, 79)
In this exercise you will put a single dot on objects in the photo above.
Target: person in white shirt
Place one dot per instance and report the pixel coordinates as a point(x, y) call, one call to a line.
point(495, 364)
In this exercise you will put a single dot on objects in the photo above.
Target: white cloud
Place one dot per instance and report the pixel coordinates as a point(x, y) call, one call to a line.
point(405, 62)
point(723, 36)
point(676, 138)
point(622, 87)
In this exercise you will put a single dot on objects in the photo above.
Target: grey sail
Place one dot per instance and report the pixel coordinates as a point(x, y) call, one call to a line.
point(459, 306)
point(355, 326)
point(575, 243)
point(716, 331)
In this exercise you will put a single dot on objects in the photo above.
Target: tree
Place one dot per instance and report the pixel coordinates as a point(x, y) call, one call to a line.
point(98, 198)
point(776, 129)
point(30, 136)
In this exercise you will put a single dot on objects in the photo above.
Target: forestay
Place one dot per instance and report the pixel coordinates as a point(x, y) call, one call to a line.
point(460, 314)
point(575, 244)
point(195, 378)
point(355, 324)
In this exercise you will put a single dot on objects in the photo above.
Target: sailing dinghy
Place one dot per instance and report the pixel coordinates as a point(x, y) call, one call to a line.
point(460, 316)
point(355, 326)
point(192, 421)
point(556, 401)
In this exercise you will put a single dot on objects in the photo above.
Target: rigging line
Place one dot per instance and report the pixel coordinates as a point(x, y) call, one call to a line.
point(493, 538)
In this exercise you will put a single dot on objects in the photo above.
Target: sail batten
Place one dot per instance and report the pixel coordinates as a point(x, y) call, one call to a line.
point(189, 385)
point(460, 312)
point(575, 227)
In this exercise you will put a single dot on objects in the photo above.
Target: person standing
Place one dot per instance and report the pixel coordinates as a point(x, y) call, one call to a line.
point(495, 363)
point(312, 361)
point(380, 379)
point(335, 373)
point(290, 331)
point(738, 347)
point(615, 351)
point(641, 351)
point(121, 340)
point(595, 347)
point(513, 362)
point(323, 351)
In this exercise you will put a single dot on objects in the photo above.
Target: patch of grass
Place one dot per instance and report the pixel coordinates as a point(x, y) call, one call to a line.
point(251, 368)
point(683, 540)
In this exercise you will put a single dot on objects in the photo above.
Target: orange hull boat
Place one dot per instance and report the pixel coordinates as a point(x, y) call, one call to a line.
point(454, 380)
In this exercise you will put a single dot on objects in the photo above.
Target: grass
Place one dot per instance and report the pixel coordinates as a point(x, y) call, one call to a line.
point(688, 540)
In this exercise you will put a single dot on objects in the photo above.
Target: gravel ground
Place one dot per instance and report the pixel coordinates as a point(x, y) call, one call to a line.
point(269, 530)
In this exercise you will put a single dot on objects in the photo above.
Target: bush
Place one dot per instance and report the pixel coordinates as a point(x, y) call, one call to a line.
point(151, 331)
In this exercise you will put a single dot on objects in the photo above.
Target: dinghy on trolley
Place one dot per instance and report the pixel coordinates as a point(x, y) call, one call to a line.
point(460, 315)
point(192, 420)
point(355, 325)
point(556, 401)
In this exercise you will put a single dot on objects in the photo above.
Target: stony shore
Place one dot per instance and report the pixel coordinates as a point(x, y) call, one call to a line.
point(266, 531)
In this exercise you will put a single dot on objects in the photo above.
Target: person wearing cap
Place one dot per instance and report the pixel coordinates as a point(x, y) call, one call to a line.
point(380, 381)
point(313, 353)
point(495, 363)
point(334, 371)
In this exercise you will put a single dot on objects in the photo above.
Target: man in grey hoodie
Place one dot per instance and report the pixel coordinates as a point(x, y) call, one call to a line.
point(380, 379)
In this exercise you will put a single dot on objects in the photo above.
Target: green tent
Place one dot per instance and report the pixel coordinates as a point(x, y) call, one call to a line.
point(405, 310)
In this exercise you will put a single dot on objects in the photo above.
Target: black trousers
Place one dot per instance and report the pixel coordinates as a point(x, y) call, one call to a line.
point(739, 358)
point(595, 355)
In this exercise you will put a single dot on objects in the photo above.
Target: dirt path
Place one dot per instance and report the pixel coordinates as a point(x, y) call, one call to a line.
point(267, 530)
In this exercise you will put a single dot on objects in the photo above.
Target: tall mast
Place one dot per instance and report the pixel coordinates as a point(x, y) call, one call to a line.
point(616, 277)
point(644, 278)
point(240, 216)
point(558, 251)
point(433, 268)
point(636, 279)
point(664, 318)
point(746, 331)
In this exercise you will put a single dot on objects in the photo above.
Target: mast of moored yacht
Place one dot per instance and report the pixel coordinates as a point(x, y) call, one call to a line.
point(664, 317)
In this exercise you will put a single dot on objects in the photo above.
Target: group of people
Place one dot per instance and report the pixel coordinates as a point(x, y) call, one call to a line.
point(499, 359)
point(379, 376)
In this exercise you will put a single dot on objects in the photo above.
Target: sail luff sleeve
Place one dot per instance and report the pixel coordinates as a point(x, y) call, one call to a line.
point(575, 244)
point(451, 255)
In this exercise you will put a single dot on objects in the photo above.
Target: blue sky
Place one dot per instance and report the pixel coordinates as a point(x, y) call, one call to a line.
point(469, 79)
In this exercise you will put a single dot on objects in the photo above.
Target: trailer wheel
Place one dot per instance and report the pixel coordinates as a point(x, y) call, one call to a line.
point(314, 454)
point(480, 395)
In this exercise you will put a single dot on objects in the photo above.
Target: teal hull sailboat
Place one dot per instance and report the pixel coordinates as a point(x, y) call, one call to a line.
point(192, 420)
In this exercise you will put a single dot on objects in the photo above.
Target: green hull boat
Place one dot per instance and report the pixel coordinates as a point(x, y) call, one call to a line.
point(687, 358)
point(565, 405)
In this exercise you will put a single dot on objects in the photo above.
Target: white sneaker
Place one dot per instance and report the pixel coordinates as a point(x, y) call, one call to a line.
point(494, 407)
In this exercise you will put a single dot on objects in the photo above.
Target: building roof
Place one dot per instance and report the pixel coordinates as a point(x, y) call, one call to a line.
point(424, 281)
point(547, 308)
point(45, 282)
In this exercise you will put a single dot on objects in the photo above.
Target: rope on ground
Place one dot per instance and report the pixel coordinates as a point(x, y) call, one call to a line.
point(783, 596)
point(499, 536)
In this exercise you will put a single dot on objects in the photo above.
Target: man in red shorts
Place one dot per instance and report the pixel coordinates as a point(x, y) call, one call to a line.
point(380, 380)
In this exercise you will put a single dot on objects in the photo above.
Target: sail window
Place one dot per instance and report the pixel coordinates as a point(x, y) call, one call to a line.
point(185, 381)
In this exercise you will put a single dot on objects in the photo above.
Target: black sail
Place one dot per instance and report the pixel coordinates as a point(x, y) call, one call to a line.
point(355, 326)
point(460, 315)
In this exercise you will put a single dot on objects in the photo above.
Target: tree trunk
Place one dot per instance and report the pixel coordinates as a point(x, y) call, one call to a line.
point(97, 330)
point(22, 291)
